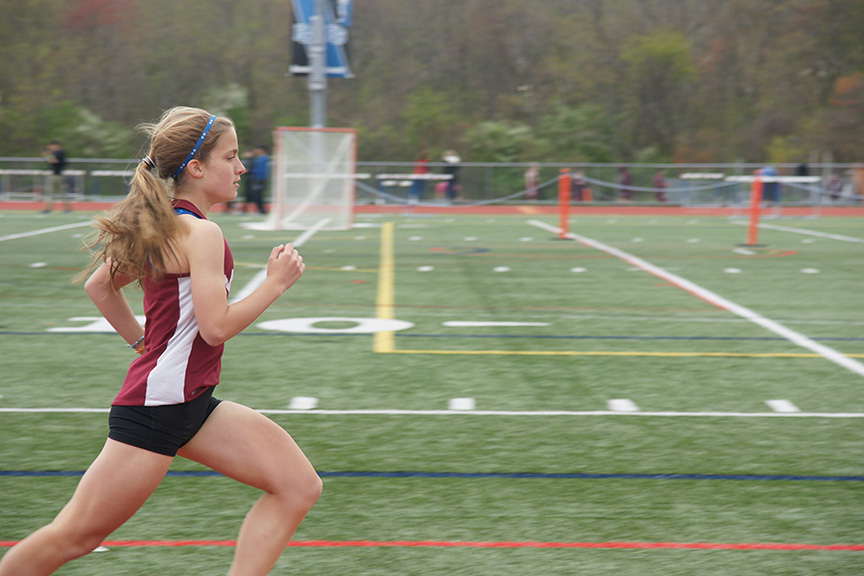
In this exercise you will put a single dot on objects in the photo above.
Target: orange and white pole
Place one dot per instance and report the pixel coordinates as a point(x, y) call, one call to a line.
point(755, 204)
point(564, 202)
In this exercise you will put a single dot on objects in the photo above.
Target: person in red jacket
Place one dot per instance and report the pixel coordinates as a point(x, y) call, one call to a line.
point(421, 170)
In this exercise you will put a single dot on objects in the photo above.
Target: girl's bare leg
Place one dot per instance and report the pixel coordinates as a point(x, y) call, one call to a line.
point(114, 487)
point(249, 447)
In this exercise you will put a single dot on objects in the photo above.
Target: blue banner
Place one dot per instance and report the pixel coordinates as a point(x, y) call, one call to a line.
point(338, 15)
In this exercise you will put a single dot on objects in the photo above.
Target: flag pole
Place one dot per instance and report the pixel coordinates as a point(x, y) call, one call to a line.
point(317, 73)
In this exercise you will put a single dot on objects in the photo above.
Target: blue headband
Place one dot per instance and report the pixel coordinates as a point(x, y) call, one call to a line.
point(195, 148)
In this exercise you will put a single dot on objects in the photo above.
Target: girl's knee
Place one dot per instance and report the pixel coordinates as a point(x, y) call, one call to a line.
point(314, 487)
point(74, 541)
point(301, 490)
point(306, 489)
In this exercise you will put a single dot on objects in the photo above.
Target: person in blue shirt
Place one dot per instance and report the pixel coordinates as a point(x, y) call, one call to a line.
point(259, 174)
point(770, 185)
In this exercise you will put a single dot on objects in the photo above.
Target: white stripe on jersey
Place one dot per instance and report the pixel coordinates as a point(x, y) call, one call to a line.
point(166, 382)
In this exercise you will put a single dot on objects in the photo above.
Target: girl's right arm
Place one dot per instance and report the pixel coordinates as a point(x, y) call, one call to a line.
point(111, 302)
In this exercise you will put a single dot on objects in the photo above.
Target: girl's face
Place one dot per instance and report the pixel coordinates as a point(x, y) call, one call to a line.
point(223, 168)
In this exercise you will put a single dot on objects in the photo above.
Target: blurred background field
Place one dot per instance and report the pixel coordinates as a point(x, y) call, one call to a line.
point(546, 337)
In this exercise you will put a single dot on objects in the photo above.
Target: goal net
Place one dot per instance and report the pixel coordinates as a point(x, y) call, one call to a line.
point(313, 179)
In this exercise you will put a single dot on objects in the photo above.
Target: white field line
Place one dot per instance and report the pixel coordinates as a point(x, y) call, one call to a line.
point(44, 231)
point(262, 274)
point(717, 300)
point(461, 404)
point(506, 413)
point(303, 403)
point(470, 324)
point(622, 405)
point(665, 414)
point(839, 237)
point(782, 406)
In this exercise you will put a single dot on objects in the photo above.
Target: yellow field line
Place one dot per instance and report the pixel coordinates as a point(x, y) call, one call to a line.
point(611, 353)
point(384, 341)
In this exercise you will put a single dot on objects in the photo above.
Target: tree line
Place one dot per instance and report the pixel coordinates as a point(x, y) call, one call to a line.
point(497, 80)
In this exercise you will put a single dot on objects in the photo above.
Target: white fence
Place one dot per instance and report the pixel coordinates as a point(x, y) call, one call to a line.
point(24, 179)
point(28, 184)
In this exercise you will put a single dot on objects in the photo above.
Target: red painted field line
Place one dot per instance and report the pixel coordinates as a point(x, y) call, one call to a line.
point(450, 544)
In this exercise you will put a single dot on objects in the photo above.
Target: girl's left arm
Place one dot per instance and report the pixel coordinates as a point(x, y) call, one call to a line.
point(218, 321)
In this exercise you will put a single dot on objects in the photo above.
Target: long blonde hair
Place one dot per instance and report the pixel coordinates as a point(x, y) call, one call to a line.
point(139, 232)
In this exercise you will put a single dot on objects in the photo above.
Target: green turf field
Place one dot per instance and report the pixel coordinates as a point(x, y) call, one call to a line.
point(647, 428)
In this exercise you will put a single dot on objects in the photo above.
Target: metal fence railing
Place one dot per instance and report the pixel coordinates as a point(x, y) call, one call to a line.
point(685, 184)
point(24, 179)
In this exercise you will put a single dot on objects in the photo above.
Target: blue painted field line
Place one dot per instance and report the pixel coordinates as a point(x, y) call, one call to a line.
point(493, 475)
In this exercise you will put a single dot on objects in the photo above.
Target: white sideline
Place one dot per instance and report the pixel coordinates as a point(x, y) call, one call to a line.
point(44, 231)
point(839, 237)
point(717, 300)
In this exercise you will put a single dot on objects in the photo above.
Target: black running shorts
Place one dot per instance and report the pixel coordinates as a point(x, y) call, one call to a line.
point(160, 429)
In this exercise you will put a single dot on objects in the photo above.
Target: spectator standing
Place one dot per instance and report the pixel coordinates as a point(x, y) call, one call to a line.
point(625, 183)
point(770, 185)
point(452, 169)
point(56, 159)
point(421, 170)
point(660, 185)
point(532, 182)
point(259, 175)
point(578, 188)
point(834, 187)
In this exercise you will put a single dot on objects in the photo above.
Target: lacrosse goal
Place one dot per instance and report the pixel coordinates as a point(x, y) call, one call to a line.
point(313, 179)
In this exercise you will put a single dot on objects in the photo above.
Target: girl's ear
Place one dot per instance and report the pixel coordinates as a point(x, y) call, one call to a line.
point(195, 168)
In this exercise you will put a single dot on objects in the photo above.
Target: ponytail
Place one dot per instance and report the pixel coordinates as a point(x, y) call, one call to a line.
point(136, 237)
point(139, 234)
